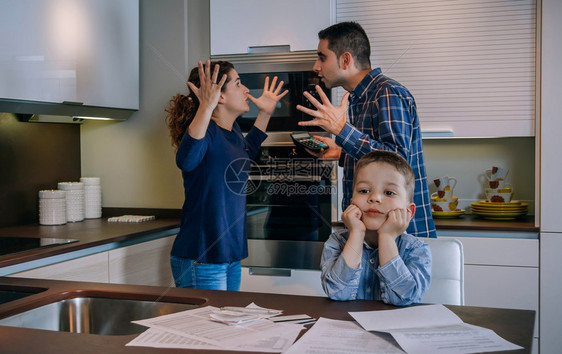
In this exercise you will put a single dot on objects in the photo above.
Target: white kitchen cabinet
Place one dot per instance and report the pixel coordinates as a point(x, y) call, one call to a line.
point(244, 26)
point(471, 65)
point(298, 282)
point(550, 172)
point(92, 268)
point(75, 51)
point(503, 273)
point(146, 263)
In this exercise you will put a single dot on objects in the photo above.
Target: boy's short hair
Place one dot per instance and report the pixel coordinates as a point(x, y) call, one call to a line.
point(348, 37)
point(394, 160)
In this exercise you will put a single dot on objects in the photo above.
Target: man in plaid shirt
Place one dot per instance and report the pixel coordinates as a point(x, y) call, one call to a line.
point(381, 114)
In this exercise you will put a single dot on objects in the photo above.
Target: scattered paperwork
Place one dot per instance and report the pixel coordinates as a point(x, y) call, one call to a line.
point(338, 337)
point(407, 317)
point(234, 315)
point(198, 329)
point(302, 319)
point(414, 330)
point(432, 329)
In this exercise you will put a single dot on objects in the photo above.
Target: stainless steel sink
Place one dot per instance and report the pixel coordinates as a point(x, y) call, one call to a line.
point(11, 293)
point(95, 315)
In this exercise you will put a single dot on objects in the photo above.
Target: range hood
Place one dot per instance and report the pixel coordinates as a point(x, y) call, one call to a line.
point(257, 62)
point(66, 112)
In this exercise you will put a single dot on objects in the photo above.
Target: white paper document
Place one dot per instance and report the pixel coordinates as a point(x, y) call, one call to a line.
point(408, 317)
point(157, 338)
point(462, 338)
point(194, 329)
point(342, 337)
point(432, 329)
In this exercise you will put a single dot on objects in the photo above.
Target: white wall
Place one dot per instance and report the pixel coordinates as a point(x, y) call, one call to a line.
point(134, 158)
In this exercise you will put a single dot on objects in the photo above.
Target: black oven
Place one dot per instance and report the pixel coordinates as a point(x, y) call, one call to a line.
point(285, 118)
point(292, 197)
point(289, 208)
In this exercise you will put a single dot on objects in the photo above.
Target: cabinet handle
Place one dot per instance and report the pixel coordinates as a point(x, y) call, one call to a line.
point(269, 49)
point(76, 103)
point(277, 272)
point(445, 133)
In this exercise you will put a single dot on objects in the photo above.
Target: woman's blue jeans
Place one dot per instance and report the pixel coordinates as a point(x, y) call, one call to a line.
point(189, 273)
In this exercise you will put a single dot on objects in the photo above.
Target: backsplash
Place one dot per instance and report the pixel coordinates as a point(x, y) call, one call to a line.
point(33, 156)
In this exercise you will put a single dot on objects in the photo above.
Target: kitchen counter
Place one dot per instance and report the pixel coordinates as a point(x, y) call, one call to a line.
point(99, 233)
point(472, 222)
point(515, 326)
point(89, 233)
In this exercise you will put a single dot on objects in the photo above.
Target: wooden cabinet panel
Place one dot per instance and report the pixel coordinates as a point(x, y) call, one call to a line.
point(92, 268)
point(146, 263)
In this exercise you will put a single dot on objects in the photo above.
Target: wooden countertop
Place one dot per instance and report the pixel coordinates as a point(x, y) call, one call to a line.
point(471, 222)
point(96, 232)
point(515, 326)
point(89, 233)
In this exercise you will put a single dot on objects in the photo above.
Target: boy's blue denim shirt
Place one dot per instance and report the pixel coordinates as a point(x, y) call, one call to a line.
point(401, 282)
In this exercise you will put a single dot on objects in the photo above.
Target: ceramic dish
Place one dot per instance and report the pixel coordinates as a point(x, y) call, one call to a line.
point(474, 206)
point(499, 207)
point(447, 214)
point(500, 213)
point(512, 204)
point(499, 217)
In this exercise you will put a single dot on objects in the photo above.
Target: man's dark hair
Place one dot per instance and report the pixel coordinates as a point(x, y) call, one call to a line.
point(348, 37)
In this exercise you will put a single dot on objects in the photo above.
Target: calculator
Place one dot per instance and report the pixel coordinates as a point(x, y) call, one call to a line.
point(305, 140)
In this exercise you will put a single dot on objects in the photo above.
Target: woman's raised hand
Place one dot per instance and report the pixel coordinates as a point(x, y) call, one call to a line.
point(209, 91)
point(268, 100)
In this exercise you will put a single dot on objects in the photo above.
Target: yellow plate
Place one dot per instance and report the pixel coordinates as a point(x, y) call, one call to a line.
point(513, 204)
point(498, 209)
point(499, 218)
point(499, 213)
point(447, 214)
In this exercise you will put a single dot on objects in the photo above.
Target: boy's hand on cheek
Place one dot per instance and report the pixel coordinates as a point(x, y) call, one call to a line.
point(396, 223)
point(351, 217)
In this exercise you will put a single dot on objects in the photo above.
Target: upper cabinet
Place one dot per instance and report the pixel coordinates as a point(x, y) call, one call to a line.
point(257, 26)
point(83, 52)
point(471, 65)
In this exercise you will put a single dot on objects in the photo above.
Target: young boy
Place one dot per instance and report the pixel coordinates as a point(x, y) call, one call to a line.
point(374, 258)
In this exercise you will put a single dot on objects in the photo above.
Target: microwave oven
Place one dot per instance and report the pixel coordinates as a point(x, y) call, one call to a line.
point(285, 118)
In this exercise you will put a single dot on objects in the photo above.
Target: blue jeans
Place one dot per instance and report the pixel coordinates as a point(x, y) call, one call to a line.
point(189, 273)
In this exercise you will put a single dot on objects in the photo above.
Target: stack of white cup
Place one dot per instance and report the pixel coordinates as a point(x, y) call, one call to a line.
point(52, 207)
point(74, 200)
point(92, 197)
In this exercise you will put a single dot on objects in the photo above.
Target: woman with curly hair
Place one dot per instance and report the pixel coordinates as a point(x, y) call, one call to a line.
point(214, 158)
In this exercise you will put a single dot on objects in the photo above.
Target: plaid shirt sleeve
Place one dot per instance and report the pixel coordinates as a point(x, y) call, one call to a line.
point(389, 122)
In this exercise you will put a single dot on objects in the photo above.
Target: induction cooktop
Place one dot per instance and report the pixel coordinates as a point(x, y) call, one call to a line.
point(10, 245)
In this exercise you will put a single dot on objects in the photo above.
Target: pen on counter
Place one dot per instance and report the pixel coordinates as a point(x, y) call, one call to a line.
point(251, 310)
